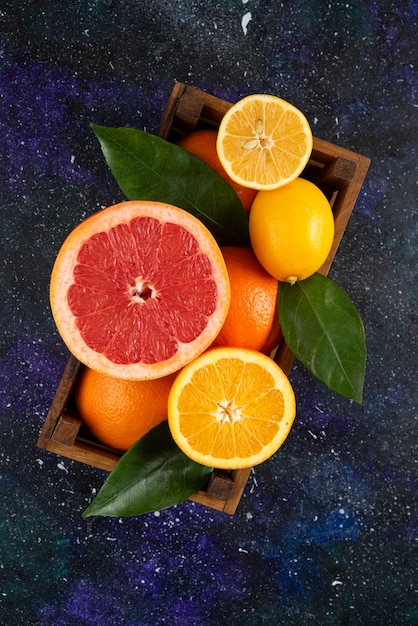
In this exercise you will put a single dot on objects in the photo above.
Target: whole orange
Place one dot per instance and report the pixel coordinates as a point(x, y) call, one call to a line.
point(252, 321)
point(202, 143)
point(119, 412)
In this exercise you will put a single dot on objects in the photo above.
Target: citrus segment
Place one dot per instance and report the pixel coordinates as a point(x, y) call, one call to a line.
point(264, 142)
point(231, 408)
point(252, 321)
point(202, 143)
point(139, 289)
point(292, 230)
point(119, 412)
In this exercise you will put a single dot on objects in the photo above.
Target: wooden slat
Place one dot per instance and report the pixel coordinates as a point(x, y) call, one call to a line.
point(60, 401)
point(87, 453)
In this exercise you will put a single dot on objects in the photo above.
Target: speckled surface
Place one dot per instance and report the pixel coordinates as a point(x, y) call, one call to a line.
point(326, 532)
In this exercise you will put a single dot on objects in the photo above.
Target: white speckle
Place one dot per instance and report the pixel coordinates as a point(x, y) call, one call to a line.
point(62, 467)
point(249, 515)
point(246, 18)
point(336, 582)
point(72, 158)
point(111, 538)
point(312, 434)
point(341, 511)
point(40, 462)
point(242, 550)
point(111, 65)
point(157, 513)
point(244, 1)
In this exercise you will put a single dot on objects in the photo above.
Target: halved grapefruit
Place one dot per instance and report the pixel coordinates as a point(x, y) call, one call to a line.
point(139, 289)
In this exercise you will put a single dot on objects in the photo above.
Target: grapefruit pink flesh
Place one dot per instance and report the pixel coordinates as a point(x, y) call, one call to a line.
point(139, 289)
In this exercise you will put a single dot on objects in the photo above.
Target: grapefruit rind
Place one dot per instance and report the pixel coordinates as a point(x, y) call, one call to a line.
point(281, 427)
point(62, 279)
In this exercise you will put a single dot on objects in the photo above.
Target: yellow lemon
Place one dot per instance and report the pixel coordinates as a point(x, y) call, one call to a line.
point(264, 142)
point(292, 230)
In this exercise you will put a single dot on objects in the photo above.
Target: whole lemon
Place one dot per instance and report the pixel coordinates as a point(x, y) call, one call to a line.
point(291, 230)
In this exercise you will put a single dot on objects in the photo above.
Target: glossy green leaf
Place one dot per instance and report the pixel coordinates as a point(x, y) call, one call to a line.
point(147, 167)
point(323, 329)
point(152, 475)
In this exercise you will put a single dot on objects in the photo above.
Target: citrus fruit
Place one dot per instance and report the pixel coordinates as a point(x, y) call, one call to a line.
point(292, 230)
point(252, 320)
point(202, 143)
point(264, 142)
point(119, 412)
point(139, 289)
point(231, 408)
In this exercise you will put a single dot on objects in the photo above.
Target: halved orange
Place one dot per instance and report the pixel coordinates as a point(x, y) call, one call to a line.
point(231, 408)
point(139, 289)
point(264, 142)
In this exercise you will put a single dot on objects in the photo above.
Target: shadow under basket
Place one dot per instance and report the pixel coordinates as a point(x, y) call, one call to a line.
point(338, 172)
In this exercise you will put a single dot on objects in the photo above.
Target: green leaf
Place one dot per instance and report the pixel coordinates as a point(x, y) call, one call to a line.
point(147, 167)
point(323, 329)
point(152, 475)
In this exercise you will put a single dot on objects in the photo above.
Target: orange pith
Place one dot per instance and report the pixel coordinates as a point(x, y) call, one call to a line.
point(231, 408)
point(264, 142)
point(139, 289)
point(252, 321)
point(119, 412)
point(202, 143)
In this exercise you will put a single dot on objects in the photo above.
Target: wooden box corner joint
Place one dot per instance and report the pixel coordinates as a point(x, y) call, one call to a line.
point(220, 485)
point(66, 430)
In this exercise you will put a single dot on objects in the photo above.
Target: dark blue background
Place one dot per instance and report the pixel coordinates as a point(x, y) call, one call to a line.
point(326, 532)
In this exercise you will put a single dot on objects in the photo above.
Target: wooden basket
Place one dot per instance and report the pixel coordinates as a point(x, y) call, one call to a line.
point(338, 172)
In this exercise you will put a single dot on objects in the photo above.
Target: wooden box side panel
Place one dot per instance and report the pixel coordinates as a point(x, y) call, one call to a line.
point(60, 401)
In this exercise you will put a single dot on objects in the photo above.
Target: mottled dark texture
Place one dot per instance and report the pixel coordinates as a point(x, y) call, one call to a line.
point(326, 532)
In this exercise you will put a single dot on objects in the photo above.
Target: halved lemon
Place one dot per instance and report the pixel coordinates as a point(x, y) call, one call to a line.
point(264, 142)
point(231, 408)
